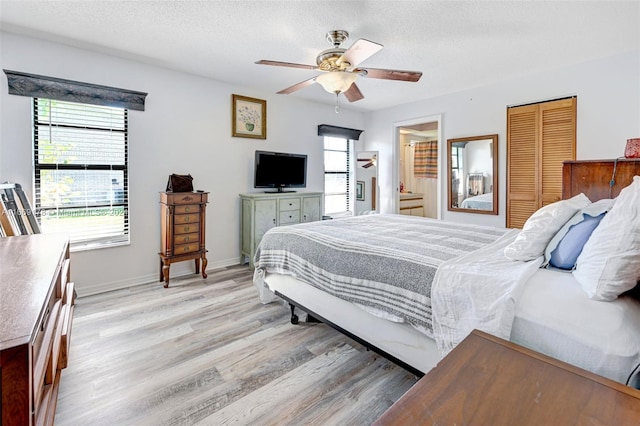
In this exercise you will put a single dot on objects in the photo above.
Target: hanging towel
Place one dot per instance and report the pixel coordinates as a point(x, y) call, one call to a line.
point(426, 160)
point(476, 184)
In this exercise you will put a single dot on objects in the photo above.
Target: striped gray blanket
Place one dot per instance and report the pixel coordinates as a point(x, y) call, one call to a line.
point(383, 263)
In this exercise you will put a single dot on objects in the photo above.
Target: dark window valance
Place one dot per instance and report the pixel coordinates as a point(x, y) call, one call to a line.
point(338, 132)
point(39, 86)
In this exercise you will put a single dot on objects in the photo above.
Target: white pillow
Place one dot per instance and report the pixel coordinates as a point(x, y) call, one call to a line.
point(609, 263)
point(593, 210)
point(540, 228)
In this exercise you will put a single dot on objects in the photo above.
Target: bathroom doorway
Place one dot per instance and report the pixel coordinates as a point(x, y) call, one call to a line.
point(418, 151)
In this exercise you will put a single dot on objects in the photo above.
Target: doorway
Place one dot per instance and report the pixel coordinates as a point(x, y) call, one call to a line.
point(367, 182)
point(418, 153)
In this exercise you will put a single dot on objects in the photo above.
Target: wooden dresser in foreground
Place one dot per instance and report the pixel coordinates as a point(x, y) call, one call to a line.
point(182, 231)
point(36, 309)
point(489, 381)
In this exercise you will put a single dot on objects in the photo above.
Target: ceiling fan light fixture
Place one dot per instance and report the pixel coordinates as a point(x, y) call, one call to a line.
point(338, 68)
point(336, 81)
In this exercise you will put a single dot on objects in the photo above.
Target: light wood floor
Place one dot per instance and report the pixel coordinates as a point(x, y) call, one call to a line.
point(207, 352)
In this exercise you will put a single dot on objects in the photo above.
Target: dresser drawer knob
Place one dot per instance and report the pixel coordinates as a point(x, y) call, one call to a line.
point(186, 229)
point(186, 209)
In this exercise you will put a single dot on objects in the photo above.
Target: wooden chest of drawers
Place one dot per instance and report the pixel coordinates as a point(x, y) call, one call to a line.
point(182, 230)
point(35, 325)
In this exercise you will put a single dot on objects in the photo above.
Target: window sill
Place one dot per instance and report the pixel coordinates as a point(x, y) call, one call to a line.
point(78, 247)
point(340, 215)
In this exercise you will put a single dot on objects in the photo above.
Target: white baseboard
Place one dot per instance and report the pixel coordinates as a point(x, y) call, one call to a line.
point(85, 289)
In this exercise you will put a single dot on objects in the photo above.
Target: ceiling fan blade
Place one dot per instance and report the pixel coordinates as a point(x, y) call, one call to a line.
point(391, 74)
point(286, 64)
point(359, 51)
point(297, 86)
point(353, 93)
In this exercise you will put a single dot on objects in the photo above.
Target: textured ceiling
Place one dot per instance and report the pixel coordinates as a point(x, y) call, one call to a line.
point(456, 44)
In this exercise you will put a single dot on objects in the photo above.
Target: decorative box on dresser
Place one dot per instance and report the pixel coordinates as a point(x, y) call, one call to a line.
point(36, 309)
point(263, 211)
point(182, 230)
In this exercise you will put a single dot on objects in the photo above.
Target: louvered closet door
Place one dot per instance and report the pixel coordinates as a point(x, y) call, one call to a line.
point(539, 138)
point(522, 160)
point(557, 143)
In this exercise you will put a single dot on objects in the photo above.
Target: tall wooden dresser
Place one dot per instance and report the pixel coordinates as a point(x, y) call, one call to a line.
point(182, 216)
point(36, 309)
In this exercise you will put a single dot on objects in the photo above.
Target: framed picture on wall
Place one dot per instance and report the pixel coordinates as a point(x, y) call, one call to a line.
point(360, 190)
point(248, 117)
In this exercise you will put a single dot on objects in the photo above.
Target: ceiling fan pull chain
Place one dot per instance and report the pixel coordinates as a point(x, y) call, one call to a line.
point(337, 102)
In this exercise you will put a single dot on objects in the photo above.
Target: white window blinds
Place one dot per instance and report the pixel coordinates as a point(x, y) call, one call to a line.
point(81, 177)
point(337, 176)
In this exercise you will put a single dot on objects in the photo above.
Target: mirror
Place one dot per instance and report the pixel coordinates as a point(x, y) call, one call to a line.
point(366, 182)
point(472, 173)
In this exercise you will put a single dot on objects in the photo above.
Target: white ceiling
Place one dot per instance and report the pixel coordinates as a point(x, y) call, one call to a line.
point(456, 44)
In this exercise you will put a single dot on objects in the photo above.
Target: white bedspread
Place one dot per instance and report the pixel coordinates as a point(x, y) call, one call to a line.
point(478, 290)
point(479, 202)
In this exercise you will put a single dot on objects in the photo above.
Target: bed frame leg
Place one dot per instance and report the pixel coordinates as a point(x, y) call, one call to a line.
point(296, 320)
point(312, 319)
point(294, 317)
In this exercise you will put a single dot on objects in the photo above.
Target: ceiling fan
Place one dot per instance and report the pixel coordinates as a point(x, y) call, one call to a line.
point(340, 68)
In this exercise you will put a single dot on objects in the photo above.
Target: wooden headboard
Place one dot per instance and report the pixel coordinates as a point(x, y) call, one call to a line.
point(592, 177)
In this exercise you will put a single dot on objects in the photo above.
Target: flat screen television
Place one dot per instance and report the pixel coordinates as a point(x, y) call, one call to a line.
point(280, 170)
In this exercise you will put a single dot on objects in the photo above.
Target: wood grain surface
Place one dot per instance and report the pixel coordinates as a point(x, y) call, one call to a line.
point(207, 352)
point(488, 381)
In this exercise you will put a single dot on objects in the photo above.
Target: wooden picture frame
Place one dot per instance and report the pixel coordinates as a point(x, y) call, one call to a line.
point(248, 117)
point(360, 190)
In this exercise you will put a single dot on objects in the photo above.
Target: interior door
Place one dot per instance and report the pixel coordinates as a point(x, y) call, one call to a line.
point(522, 159)
point(539, 138)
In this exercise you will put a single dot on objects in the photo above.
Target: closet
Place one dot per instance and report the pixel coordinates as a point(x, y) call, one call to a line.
point(540, 137)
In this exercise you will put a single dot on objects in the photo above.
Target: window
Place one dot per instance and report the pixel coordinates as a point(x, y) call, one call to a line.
point(80, 172)
point(337, 176)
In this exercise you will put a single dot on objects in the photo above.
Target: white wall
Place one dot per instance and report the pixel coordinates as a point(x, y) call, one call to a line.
point(608, 93)
point(186, 128)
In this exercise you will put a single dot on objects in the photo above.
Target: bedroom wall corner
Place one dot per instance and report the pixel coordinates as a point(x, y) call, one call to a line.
point(608, 92)
point(184, 129)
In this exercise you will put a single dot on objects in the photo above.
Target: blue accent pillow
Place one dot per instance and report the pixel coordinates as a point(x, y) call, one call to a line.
point(565, 255)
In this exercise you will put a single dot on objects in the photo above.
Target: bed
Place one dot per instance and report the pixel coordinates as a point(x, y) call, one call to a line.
point(478, 202)
point(374, 290)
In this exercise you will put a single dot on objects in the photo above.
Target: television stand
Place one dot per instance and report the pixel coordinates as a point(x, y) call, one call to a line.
point(261, 212)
